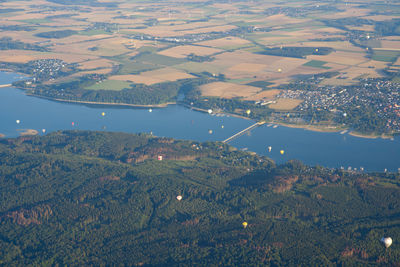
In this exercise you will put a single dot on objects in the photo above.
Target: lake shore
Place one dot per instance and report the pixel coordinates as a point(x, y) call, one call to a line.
point(104, 103)
point(25, 132)
point(315, 128)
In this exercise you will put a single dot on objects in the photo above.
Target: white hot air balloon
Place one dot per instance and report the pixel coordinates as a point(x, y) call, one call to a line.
point(43, 130)
point(179, 197)
point(209, 111)
point(387, 241)
point(17, 121)
point(269, 148)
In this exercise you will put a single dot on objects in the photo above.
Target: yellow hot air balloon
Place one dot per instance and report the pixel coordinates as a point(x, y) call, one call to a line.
point(103, 114)
point(282, 152)
point(387, 241)
point(279, 70)
point(244, 224)
point(248, 111)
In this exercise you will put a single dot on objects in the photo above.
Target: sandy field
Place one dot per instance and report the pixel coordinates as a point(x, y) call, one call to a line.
point(264, 95)
point(24, 56)
point(390, 45)
point(228, 90)
point(225, 42)
point(341, 58)
point(155, 76)
point(285, 104)
point(184, 50)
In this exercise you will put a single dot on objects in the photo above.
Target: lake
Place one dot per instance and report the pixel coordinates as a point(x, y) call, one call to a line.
point(333, 150)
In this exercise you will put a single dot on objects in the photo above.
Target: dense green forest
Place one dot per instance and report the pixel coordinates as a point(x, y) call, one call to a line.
point(7, 43)
point(137, 94)
point(297, 52)
point(98, 198)
point(56, 34)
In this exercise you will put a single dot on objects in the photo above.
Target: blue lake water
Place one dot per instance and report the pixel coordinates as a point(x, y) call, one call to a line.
point(314, 148)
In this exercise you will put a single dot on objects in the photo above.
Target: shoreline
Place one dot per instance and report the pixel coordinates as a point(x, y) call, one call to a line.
point(2, 135)
point(104, 103)
point(321, 129)
point(360, 135)
point(314, 128)
point(27, 132)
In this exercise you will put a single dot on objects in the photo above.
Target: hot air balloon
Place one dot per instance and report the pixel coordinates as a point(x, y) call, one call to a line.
point(282, 152)
point(210, 131)
point(248, 111)
point(222, 126)
point(103, 114)
point(150, 110)
point(17, 121)
point(179, 197)
point(269, 148)
point(244, 224)
point(72, 123)
point(43, 130)
point(279, 70)
point(387, 241)
point(209, 111)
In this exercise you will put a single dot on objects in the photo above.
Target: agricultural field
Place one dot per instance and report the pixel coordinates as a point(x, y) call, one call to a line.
point(151, 42)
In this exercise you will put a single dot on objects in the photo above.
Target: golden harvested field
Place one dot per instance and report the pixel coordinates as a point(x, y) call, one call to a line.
point(184, 50)
point(285, 104)
point(390, 45)
point(142, 25)
point(264, 95)
point(248, 67)
point(228, 90)
point(341, 57)
point(375, 64)
point(337, 45)
point(397, 63)
point(155, 76)
point(224, 42)
point(110, 47)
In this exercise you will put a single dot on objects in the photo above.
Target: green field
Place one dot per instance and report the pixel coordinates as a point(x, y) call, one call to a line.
point(136, 67)
point(93, 32)
point(261, 84)
point(316, 64)
point(385, 55)
point(35, 21)
point(110, 85)
point(159, 59)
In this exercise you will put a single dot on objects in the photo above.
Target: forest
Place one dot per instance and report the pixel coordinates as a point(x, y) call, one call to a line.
point(101, 198)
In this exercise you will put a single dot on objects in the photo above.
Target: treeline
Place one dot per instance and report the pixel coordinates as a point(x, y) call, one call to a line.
point(56, 34)
point(74, 198)
point(93, 3)
point(296, 52)
point(388, 27)
point(7, 43)
point(138, 94)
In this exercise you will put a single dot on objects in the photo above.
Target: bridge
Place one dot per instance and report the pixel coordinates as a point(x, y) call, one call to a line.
point(244, 131)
